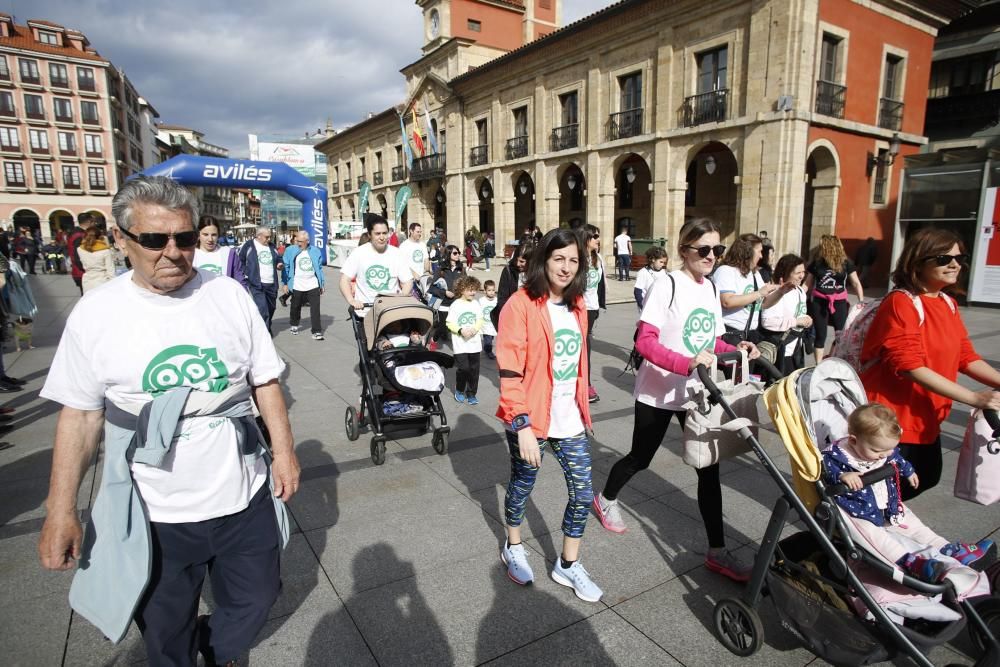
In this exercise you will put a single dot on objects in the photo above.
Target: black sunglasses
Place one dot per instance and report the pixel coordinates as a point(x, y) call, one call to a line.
point(704, 250)
point(945, 260)
point(158, 241)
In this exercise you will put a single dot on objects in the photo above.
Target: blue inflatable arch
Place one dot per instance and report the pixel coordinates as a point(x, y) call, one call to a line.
point(223, 173)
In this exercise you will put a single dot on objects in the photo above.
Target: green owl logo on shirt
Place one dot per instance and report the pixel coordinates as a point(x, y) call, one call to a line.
point(800, 309)
point(265, 258)
point(466, 320)
point(305, 263)
point(748, 290)
point(377, 277)
point(593, 277)
point(487, 310)
point(699, 330)
point(185, 365)
point(566, 357)
point(418, 255)
point(211, 268)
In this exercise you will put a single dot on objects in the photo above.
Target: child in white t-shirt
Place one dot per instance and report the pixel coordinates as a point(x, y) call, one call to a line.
point(655, 269)
point(465, 321)
point(488, 302)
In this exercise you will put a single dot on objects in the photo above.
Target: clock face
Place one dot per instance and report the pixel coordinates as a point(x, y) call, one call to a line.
point(435, 25)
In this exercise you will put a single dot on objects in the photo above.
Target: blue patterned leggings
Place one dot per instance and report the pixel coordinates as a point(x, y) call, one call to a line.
point(573, 454)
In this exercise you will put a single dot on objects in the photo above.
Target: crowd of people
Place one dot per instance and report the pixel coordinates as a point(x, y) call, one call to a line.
point(199, 353)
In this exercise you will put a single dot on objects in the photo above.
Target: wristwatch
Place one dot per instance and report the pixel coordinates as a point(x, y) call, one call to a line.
point(519, 423)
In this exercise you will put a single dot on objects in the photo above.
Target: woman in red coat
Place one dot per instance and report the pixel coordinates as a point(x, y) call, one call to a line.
point(916, 347)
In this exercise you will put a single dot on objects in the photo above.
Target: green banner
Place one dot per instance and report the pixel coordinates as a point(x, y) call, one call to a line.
point(363, 193)
point(402, 197)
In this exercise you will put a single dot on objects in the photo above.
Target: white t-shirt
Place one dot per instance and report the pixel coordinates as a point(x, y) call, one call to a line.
point(789, 307)
point(645, 278)
point(729, 280)
point(466, 314)
point(216, 261)
point(621, 244)
point(208, 335)
point(376, 272)
point(595, 274)
point(565, 420)
point(265, 260)
point(304, 278)
point(414, 253)
point(688, 326)
point(488, 305)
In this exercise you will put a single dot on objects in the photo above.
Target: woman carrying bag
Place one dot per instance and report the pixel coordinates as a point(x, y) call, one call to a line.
point(742, 290)
point(782, 324)
point(680, 328)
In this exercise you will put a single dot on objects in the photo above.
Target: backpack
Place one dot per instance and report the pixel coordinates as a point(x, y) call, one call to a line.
point(849, 342)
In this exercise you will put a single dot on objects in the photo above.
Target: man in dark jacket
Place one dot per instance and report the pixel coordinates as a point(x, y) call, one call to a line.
point(261, 266)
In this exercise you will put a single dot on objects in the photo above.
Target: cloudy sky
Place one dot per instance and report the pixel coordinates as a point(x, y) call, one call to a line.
point(255, 66)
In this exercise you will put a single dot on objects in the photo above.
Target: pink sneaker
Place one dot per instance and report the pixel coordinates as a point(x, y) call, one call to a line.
point(726, 563)
point(609, 514)
point(592, 396)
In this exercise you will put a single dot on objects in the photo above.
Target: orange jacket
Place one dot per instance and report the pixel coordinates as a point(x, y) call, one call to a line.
point(524, 348)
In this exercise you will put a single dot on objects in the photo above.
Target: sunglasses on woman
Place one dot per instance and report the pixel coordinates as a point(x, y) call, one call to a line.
point(945, 260)
point(704, 250)
point(158, 240)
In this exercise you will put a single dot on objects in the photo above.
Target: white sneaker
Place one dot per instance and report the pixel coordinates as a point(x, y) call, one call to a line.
point(578, 579)
point(609, 514)
point(317, 336)
point(295, 331)
point(516, 560)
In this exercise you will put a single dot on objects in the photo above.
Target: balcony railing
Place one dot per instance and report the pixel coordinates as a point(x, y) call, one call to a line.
point(95, 154)
point(41, 150)
point(398, 174)
point(62, 118)
point(361, 179)
point(517, 147)
point(977, 110)
point(479, 155)
point(35, 115)
point(68, 152)
point(428, 167)
point(335, 188)
point(567, 136)
point(890, 114)
point(625, 124)
point(830, 99)
point(86, 84)
point(59, 82)
point(377, 177)
point(91, 120)
point(347, 185)
point(5, 76)
point(15, 183)
point(8, 112)
point(33, 80)
point(707, 107)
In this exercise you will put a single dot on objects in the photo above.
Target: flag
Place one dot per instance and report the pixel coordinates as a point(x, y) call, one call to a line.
point(406, 145)
point(418, 143)
point(430, 128)
point(402, 196)
point(363, 192)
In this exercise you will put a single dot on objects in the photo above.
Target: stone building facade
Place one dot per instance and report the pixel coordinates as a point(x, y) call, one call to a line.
point(776, 115)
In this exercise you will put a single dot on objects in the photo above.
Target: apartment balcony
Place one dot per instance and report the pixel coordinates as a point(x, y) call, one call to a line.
point(830, 99)
point(59, 83)
point(40, 150)
point(517, 147)
point(976, 110)
point(377, 177)
point(398, 174)
point(97, 155)
point(34, 115)
point(890, 114)
point(67, 152)
point(567, 136)
point(8, 113)
point(707, 107)
point(93, 121)
point(347, 185)
point(14, 183)
point(335, 188)
point(64, 119)
point(625, 124)
point(5, 76)
point(86, 85)
point(479, 155)
point(361, 179)
point(428, 167)
point(31, 80)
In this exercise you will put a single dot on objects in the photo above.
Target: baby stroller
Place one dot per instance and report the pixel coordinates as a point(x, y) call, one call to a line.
point(809, 575)
point(400, 385)
point(54, 259)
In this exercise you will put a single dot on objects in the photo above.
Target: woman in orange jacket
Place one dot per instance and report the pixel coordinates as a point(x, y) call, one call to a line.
point(543, 400)
point(916, 347)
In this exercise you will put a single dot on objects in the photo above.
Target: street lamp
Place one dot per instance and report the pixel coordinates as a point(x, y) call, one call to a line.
point(571, 182)
point(485, 191)
point(630, 174)
point(440, 197)
point(523, 187)
point(710, 164)
point(890, 156)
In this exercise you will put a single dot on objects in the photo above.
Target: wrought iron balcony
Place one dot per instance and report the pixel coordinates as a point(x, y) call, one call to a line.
point(707, 107)
point(335, 188)
point(376, 178)
point(347, 185)
point(625, 124)
point(58, 82)
point(830, 99)
point(86, 84)
point(428, 167)
point(567, 136)
point(33, 80)
point(976, 110)
point(890, 114)
point(517, 147)
point(398, 173)
point(479, 155)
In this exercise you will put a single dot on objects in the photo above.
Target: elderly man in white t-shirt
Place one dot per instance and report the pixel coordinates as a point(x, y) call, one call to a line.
point(375, 267)
point(189, 485)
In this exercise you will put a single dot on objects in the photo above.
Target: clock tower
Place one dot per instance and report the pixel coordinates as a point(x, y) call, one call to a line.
point(503, 25)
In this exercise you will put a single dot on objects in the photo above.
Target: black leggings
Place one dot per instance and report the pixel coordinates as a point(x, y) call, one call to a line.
point(819, 311)
point(926, 461)
point(591, 321)
point(647, 434)
point(467, 373)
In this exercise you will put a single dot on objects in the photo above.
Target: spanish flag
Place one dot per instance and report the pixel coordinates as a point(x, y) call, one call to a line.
point(418, 143)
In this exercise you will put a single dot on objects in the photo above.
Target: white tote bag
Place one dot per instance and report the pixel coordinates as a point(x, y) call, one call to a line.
point(709, 434)
point(978, 476)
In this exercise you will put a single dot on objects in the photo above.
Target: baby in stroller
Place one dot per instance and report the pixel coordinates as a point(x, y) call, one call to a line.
point(402, 333)
point(878, 511)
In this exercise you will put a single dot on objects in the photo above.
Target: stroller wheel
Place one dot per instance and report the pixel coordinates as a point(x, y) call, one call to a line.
point(989, 610)
point(440, 441)
point(378, 450)
point(351, 424)
point(738, 627)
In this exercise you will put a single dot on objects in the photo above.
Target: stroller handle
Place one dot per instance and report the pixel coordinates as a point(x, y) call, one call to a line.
point(882, 473)
point(768, 369)
point(993, 420)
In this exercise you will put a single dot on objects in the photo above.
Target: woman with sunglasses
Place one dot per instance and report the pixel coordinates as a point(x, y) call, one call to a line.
point(680, 328)
point(594, 296)
point(210, 256)
point(911, 362)
point(451, 270)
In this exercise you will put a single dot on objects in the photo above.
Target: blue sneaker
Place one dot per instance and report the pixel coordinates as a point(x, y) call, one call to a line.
point(460, 397)
point(473, 400)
